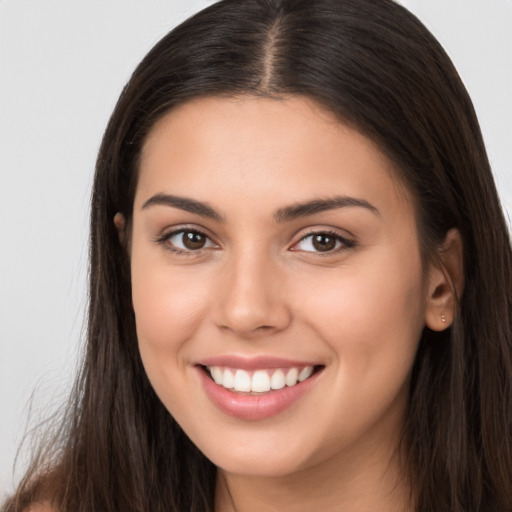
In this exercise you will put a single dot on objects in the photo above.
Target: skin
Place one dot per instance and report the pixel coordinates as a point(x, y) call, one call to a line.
point(259, 287)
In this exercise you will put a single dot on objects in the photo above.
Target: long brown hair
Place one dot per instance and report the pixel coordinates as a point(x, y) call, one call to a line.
point(378, 69)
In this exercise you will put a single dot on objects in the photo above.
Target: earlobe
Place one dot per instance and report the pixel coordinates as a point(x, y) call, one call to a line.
point(120, 224)
point(446, 283)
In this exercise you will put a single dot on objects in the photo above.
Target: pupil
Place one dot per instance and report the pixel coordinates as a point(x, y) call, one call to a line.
point(324, 242)
point(193, 240)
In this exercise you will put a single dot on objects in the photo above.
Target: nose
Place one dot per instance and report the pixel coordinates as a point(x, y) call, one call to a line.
point(252, 298)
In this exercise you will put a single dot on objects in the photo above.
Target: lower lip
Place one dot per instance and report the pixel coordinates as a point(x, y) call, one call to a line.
point(254, 407)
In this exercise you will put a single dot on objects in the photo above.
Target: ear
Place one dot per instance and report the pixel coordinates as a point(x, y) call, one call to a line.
point(445, 283)
point(120, 224)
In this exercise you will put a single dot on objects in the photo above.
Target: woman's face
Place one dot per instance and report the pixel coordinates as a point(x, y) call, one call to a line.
point(273, 250)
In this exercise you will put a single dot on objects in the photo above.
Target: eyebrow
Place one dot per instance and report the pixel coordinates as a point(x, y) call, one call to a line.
point(315, 206)
point(183, 203)
point(285, 214)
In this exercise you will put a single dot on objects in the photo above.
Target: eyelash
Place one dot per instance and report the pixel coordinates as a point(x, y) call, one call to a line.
point(343, 242)
point(165, 238)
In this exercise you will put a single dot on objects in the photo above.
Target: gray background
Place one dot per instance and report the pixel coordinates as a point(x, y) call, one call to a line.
point(62, 66)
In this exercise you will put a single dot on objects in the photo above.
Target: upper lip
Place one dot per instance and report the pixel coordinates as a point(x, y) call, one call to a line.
point(254, 363)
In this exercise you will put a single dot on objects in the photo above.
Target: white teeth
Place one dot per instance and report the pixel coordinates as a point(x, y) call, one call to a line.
point(217, 374)
point(242, 381)
point(291, 377)
point(305, 373)
point(260, 381)
point(228, 379)
point(277, 381)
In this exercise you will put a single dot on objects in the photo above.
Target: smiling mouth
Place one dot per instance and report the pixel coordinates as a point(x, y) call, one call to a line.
point(259, 381)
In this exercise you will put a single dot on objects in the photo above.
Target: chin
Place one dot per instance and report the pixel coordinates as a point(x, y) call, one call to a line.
point(258, 459)
point(258, 467)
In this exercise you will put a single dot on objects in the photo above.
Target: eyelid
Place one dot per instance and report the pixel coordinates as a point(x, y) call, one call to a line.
point(346, 242)
point(170, 232)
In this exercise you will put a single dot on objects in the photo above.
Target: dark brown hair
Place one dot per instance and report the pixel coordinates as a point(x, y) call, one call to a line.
point(378, 69)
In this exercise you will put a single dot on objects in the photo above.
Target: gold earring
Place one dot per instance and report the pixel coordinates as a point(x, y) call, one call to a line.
point(443, 318)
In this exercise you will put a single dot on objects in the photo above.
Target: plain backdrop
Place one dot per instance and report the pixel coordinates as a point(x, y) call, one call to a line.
point(62, 66)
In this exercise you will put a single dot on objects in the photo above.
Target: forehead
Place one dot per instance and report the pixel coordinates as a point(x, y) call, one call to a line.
point(214, 147)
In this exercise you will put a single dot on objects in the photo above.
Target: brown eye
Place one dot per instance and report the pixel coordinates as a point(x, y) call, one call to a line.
point(323, 242)
point(186, 240)
point(193, 240)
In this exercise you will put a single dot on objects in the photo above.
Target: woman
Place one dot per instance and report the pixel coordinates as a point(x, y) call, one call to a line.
point(300, 278)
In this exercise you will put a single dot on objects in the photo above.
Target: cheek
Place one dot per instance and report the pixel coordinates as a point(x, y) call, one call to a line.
point(371, 318)
point(164, 309)
point(169, 307)
point(372, 313)
point(168, 303)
